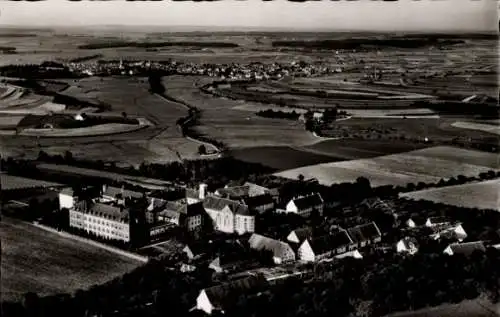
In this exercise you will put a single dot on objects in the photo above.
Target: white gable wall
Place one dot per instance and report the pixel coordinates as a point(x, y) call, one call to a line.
point(203, 303)
point(306, 253)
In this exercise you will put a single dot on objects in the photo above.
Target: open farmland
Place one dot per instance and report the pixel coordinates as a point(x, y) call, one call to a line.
point(11, 182)
point(478, 307)
point(482, 195)
point(425, 165)
point(222, 120)
point(490, 128)
point(51, 264)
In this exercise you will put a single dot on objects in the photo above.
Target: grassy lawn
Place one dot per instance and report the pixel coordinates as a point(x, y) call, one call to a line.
point(42, 262)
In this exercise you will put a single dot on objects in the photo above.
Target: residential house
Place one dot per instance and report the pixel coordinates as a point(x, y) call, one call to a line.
point(407, 245)
point(365, 234)
point(104, 220)
point(325, 246)
point(303, 206)
point(221, 297)
point(450, 232)
point(229, 216)
point(180, 213)
point(260, 204)
point(436, 221)
point(410, 223)
point(196, 250)
point(299, 235)
point(466, 248)
point(257, 190)
point(229, 263)
point(282, 251)
point(66, 198)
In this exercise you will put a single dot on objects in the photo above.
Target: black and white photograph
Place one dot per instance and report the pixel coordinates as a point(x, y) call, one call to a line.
point(249, 158)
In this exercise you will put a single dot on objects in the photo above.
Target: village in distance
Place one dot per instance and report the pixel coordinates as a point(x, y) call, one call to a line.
point(248, 174)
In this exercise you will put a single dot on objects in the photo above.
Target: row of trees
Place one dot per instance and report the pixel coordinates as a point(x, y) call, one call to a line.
point(269, 113)
point(376, 286)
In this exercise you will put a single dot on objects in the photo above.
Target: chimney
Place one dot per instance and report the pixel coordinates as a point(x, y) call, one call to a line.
point(104, 188)
point(202, 191)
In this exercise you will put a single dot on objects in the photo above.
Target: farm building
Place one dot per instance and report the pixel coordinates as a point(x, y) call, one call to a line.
point(299, 235)
point(322, 247)
point(365, 234)
point(407, 245)
point(436, 221)
point(303, 206)
point(466, 248)
point(455, 232)
point(260, 204)
point(282, 252)
point(229, 216)
point(230, 263)
point(220, 297)
point(11, 183)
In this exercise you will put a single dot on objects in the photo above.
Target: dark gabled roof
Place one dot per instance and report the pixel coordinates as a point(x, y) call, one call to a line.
point(224, 294)
point(234, 192)
point(256, 201)
point(260, 242)
point(303, 233)
point(327, 243)
point(182, 207)
point(308, 201)
point(364, 232)
point(112, 191)
point(439, 220)
point(467, 248)
point(110, 212)
point(409, 242)
point(217, 203)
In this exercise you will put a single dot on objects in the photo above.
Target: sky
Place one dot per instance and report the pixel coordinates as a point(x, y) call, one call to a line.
point(362, 15)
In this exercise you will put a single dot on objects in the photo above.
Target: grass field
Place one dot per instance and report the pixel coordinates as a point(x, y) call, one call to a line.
point(482, 195)
point(222, 120)
point(490, 128)
point(468, 308)
point(10, 182)
point(34, 260)
point(425, 165)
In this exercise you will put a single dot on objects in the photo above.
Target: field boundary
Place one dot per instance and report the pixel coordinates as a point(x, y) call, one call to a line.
point(93, 243)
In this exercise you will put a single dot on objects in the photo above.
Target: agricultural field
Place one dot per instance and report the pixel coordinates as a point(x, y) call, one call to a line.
point(425, 165)
point(222, 119)
point(51, 264)
point(478, 307)
point(482, 195)
point(490, 128)
point(10, 182)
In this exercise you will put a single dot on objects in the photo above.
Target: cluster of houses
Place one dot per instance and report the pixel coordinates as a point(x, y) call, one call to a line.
point(232, 209)
point(439, 228)
point(234, 71)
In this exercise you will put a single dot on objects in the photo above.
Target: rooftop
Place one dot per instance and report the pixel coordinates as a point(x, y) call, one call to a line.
point(467, 248)
point(107, 211)
point(112, 191)
point(364, 232)
point(217, 203)
point(227, 293)
point(260, 242)
point(329, 242)
point(308, 201)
